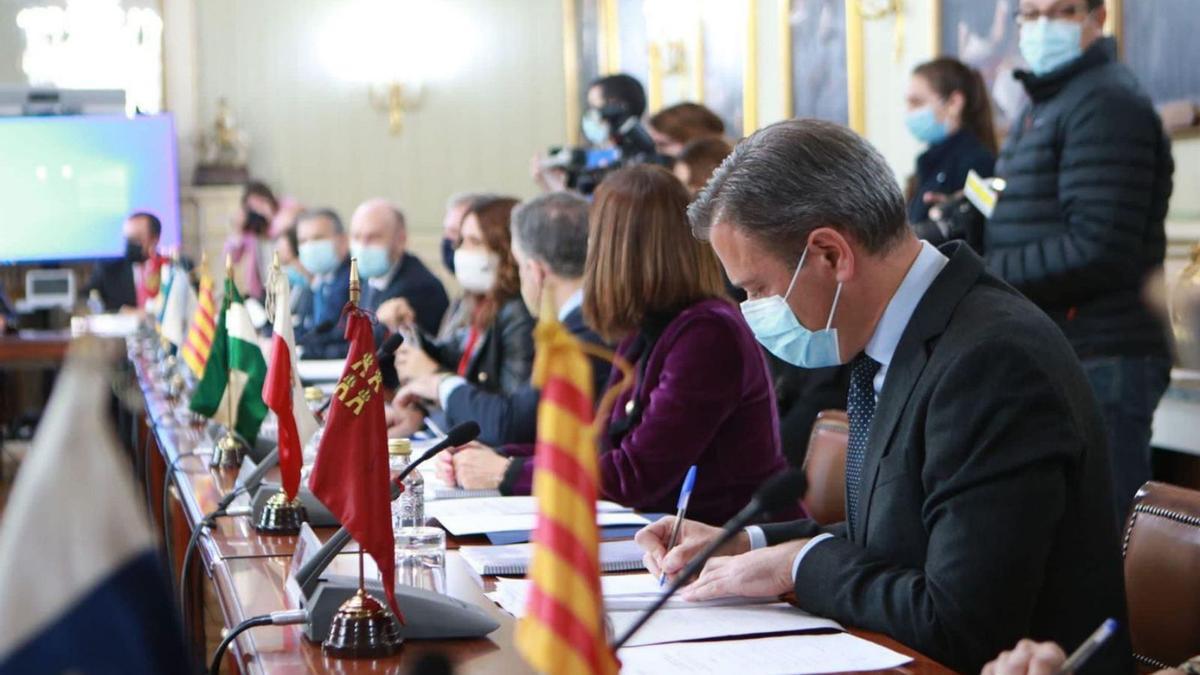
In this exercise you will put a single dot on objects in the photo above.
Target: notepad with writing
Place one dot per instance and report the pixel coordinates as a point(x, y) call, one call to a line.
point(513, 559)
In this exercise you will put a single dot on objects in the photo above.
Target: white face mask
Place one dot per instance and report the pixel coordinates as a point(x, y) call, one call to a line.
point(475, 270)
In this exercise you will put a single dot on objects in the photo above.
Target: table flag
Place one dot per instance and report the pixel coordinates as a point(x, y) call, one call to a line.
point(200, 335)
point(283, 392)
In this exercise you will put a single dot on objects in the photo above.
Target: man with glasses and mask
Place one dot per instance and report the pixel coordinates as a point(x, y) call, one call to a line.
point(977, 481)
point(1080, 225)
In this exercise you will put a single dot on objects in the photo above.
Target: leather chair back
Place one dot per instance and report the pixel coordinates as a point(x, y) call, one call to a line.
point(1162, 575)
point(825, 467)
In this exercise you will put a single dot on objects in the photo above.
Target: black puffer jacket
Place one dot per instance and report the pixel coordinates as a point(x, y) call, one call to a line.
point(1080, 225)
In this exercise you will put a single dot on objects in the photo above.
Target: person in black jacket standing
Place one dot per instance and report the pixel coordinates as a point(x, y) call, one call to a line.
point(1080, 225)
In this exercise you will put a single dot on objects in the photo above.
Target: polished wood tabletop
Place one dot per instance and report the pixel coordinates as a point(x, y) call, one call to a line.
point(249, 570)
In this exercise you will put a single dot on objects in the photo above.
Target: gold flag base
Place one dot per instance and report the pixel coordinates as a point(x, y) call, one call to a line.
point(228, 454)
point(281, 515)
point(362, 628)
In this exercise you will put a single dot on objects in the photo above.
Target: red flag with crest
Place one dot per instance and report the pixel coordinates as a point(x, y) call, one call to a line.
point(351, 475)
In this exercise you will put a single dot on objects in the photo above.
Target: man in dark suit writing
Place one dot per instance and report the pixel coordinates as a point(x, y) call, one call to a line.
point(977, 479)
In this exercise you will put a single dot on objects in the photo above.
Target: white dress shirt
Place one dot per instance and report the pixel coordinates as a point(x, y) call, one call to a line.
point(882, 348)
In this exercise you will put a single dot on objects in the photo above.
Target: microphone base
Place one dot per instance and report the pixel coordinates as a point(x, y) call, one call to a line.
point(428, 615)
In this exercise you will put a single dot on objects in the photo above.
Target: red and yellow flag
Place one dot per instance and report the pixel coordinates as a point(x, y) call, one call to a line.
point(200, 335)
point(562, 630)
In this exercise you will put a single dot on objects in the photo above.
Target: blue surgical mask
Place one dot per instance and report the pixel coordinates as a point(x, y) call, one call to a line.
point(1048, 45)
point(319, 257)
point(779, 331)
point(924, 125)
point(372, 260)
point(595, 129)
point(295, 276)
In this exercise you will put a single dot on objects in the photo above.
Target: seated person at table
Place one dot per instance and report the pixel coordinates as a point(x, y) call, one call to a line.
point(977, 477)
point(287, 247)
point(1047, 658)
point(488, 337)
point(550, 234)
point(379, 240)
point(702, 395)
point(325, 253)
point(124, 284)
point(698, 160)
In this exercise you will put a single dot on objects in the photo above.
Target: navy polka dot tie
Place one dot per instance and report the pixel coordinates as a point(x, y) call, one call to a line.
point(860, 408)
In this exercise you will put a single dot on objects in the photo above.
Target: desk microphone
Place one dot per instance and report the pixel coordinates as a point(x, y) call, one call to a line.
point(252, 480)
point(386, 357)
point(781, 491)
point(308, 575)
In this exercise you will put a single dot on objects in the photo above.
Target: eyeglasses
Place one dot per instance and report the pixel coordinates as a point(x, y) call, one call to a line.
point(1060, 12)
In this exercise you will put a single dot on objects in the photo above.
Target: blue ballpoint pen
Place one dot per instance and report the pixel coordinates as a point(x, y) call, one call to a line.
point(685, 493)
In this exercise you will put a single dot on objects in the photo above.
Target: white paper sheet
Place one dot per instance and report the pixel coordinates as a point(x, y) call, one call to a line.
point(677, 625)
point(484, 522)
point(313, 371)
point(792, 654)
point(622, 592)
point(514, 558)
point(500, 506)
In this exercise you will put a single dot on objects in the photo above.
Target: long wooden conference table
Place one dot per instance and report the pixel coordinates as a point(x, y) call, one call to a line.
point(248, 570)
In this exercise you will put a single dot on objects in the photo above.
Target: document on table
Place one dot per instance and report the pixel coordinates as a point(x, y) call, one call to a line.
point(502, 506)
point(482, 522)
point(836, 653)
point(678, 625)
point(615, 556)
point(315, 371)
point(436, 488)
point(623, 592)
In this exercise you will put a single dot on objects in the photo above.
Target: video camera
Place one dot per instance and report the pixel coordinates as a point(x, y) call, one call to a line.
point(586, 167)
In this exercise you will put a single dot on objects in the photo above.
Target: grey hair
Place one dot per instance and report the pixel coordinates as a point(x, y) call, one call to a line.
point(793, 177)
point(553, 228)
point(327, 213)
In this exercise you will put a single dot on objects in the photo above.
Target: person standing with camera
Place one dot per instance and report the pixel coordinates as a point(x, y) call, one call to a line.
point(1080, 225)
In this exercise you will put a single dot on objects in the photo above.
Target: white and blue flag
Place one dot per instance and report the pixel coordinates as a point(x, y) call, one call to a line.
point(82, 588)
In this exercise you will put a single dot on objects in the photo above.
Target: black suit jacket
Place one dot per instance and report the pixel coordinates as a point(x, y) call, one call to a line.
point(985, 504)
point(415, 283)
point(504, 359)
point(114, 280)
point(512, 418)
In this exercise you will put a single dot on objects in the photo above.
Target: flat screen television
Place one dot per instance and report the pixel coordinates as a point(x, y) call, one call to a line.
point(67, 183)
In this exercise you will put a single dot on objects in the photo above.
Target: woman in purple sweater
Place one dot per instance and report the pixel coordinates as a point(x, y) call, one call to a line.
point(703, 395)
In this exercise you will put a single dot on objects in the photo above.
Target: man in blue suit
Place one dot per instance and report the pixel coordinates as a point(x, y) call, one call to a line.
point(325, 252)
point(378, 240)
point(550, 235)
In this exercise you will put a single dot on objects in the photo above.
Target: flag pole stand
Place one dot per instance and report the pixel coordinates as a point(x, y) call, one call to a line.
point(230, 451)
point(362, 627)
point(281, 515)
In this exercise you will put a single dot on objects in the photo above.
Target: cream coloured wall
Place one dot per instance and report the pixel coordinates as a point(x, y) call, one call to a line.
point(317, 138)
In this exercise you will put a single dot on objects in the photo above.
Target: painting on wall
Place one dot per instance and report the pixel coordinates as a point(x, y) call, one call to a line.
point(984, 35)
point(725, 49)
point(1159, 45)
point(819, 79)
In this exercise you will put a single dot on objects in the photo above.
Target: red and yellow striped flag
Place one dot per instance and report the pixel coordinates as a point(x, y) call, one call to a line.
point(562, 630)
point(200, 334)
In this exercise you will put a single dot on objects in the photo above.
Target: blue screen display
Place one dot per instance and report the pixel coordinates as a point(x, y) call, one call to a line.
point(67, 184)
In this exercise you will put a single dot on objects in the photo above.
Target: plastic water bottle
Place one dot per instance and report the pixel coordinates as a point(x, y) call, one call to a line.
point(409, 509)
point(95, 304)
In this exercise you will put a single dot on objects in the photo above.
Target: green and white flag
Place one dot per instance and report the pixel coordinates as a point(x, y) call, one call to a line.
point(233, 377)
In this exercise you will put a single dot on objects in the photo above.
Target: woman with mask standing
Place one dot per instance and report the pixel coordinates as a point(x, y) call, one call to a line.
point(488, 334)
point(950, 111)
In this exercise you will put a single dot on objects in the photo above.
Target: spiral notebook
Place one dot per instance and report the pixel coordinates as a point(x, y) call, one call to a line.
point(513, 559)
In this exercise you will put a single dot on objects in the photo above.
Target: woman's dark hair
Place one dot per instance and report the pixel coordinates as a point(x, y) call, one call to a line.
point(622, 88)
point(259, 189)
point(947, 75)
